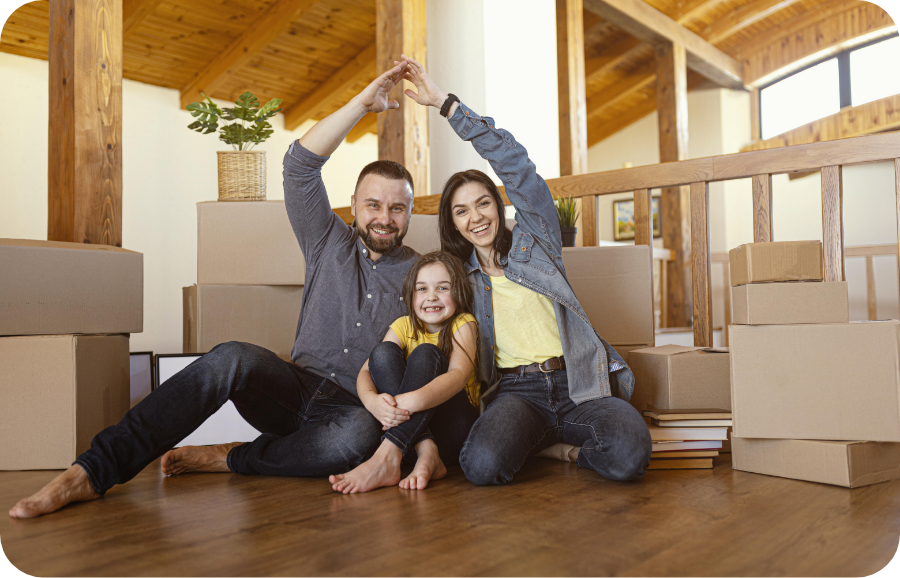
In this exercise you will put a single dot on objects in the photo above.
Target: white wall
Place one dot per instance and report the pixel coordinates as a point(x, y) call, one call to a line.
point(167, 169)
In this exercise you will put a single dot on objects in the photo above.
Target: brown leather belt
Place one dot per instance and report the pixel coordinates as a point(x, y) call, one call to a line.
point(552, 364)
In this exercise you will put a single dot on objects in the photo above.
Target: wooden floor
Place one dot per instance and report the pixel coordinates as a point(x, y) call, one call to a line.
point(555, 519)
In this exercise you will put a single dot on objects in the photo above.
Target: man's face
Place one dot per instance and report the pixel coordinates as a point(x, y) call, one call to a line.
point(382, 208)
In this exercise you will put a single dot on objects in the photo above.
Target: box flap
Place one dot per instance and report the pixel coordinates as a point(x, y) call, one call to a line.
point(61, 245)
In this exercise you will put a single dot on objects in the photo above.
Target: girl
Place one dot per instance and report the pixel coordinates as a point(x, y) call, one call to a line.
point(420, 382)
point(557, 379)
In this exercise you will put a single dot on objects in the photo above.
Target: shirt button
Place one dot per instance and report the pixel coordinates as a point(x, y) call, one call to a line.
point(486, 315)
point(369, 295)
point(345, 351)
point(357, 324)
point(332, 375)
point(487, 288)
point(364, 251)
point(374, 267)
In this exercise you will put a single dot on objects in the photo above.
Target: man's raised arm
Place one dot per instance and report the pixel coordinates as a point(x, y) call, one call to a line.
point(304, 191)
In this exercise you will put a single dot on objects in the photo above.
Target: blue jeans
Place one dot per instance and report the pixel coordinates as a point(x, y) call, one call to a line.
point(533, 411)
point(310, 426)
point(447, 424)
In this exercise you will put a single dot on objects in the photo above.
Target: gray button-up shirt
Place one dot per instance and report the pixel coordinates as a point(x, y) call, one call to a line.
point(348, 301)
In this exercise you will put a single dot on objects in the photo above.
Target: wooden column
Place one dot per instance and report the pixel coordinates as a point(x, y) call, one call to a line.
point(85, 132)
point(762, 209)
point(403, 132)
point(833, 223)
point(897, 187)
point(755, 127)
point(871, 296)
point(573, 106)
point(643, 234)
point(701, 283)
point(671, 103)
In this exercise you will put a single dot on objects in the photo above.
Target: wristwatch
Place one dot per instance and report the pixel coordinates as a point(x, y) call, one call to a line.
point(445, 108)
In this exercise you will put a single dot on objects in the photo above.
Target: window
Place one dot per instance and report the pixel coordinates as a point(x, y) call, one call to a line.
point(853, 77)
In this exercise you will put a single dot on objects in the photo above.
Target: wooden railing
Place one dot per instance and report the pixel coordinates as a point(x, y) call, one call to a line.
point(829, 157)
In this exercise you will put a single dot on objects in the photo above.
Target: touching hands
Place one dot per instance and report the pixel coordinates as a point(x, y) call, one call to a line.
point(429, 94)
point(384, 407)
point(375, 96)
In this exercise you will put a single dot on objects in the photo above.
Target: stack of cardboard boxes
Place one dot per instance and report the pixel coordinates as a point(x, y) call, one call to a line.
point(66, 310)
point(808, 385)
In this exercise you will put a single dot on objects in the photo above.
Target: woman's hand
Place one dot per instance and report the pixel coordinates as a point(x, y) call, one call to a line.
point(375, 96)
point(429, 94)
point(384, 407)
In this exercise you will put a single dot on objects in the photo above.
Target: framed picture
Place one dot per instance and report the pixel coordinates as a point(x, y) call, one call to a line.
point(141, 375)
point(623, 219)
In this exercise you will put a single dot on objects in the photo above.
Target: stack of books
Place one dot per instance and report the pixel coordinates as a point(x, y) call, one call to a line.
point(686, 439)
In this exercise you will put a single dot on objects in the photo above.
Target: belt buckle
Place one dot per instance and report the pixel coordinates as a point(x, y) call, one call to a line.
point(541, 367)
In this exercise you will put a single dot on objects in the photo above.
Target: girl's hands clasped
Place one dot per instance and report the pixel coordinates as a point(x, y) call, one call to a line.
point(384, 407)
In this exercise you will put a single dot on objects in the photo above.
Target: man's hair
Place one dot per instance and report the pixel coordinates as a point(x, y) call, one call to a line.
point(387, 169)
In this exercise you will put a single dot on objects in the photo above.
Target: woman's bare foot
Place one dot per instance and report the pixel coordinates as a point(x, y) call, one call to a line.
point(428, 467)
point(196, 459)
point(70, 486)
point(382, 469)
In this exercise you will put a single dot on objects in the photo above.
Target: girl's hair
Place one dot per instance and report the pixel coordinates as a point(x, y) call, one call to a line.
point(460, 293)
point(452, 240)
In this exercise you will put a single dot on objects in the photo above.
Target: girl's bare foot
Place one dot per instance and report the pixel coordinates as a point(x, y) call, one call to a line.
point(196, 459)
point(428, 467)
point(70, 486)
point(382, 469)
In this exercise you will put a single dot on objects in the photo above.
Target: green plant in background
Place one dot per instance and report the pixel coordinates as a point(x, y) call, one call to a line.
point(247, 110)
point(567, 210)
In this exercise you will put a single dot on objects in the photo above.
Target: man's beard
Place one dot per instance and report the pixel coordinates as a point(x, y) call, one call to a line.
point(382, 246)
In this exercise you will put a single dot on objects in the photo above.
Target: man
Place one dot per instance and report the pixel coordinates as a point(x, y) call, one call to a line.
point(312, 421)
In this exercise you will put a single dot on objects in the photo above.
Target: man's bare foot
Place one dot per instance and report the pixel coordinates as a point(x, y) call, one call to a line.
point(428, 467)
point(70, 486)
point(382, 469)
point(196, 459)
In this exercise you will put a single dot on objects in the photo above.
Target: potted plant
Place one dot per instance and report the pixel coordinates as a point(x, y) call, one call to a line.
point(242, 172)
point(568, 212)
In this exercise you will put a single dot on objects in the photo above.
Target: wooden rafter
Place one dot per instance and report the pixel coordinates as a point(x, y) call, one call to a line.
point(653, 27)
point(254, 40)
point(366, 126)
point(361, 67)
point(628, 85)
point(743, 17)
point(134, 12)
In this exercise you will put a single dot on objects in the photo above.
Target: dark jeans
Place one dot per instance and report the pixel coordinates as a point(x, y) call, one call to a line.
point(447, 424)
point(532, 411)
point(310, 426)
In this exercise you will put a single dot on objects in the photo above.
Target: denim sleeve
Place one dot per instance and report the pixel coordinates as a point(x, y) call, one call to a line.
point(527, 190)
point(306, 201)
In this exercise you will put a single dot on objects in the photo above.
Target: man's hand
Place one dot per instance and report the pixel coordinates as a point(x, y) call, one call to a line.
point(375, 96)
point(429, 94)
point(384, 407)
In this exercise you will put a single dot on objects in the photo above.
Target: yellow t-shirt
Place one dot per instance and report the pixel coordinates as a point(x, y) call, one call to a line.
point(403, 327)
point(525, 328)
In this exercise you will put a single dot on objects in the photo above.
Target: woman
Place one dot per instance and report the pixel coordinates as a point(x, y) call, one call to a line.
point(559, 381)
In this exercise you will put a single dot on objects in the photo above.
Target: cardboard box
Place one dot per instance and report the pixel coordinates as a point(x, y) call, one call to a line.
point(790, 303)
point(842, 463)
point(56, 393)
point(614, 286)
point(263, 315)
point(53, 288)
point(625, 350)
point(829, 382)
point(780, 261)
point(247, 243)
point(675, 376)
point(422, 235)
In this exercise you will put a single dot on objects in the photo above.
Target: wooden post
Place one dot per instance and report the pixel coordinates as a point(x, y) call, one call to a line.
point(702, 290)
point(85, 131)
point(755, 127)
point(403, 132)
point(833, 223)
point(726, 294)
point(573, 106)
point(671, 103)
point(871, 297)
point(643, 233)
point(762, 209)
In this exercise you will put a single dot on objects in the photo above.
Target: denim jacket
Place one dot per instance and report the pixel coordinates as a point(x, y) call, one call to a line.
point(594, 369)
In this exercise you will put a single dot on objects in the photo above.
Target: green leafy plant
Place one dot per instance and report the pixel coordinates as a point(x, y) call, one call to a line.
point(251, 126)
point(567, 210)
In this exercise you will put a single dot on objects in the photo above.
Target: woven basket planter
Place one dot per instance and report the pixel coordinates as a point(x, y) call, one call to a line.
point(242, 175)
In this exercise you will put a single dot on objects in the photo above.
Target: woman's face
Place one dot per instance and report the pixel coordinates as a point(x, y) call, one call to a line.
point(475, 214)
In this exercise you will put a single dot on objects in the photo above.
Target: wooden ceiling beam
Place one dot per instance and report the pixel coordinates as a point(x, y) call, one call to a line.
point(653, 27)
point(612, 95)
point(606, 61)
point(368, 125)
point(254, 40)
point(134, 12)
point(361, 67)
point(743, 17)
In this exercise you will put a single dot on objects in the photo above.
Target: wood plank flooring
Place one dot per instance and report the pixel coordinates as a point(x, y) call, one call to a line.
point(554, 519)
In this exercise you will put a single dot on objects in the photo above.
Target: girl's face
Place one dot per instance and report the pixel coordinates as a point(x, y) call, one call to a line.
point(433, 304)
point(475, 215)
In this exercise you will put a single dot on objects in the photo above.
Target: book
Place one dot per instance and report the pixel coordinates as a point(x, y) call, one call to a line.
point(685, 454)
point(685, 464)
point(691, 422)
point(682, 414)
point(669, 446)
point(687, 434)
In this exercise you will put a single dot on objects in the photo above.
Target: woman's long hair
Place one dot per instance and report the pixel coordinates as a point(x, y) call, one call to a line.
point(460, 293)
point(452, 240)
